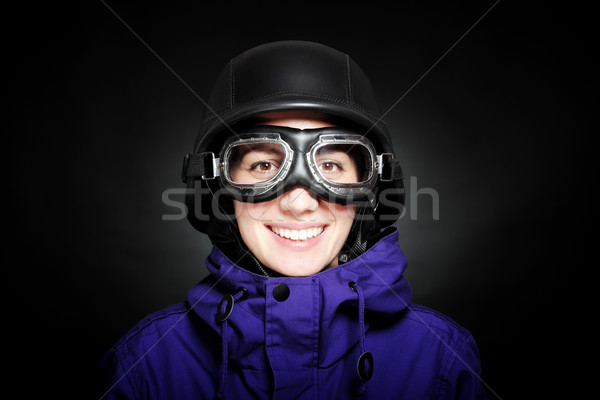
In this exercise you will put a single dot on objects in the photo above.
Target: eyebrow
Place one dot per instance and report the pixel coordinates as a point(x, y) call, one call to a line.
point(333, 149)
point(268, 148)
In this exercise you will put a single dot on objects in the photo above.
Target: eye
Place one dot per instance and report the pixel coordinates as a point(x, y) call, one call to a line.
point(263, 166)
point(336, 165)
point(329, 166)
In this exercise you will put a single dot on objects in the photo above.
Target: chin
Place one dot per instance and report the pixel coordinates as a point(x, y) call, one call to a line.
point(300, 267)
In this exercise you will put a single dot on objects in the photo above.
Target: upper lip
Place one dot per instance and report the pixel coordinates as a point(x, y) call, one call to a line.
point(297, 226)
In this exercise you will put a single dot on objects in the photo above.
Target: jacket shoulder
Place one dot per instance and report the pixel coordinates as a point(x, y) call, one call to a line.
point(433, 319)
point(152, 347)
point(456, 351)
point(158, 322)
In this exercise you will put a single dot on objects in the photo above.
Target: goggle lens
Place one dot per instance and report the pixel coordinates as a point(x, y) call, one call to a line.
point(252, 163)
point(343, 163)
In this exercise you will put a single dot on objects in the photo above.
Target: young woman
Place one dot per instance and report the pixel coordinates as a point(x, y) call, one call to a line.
point(293, 178)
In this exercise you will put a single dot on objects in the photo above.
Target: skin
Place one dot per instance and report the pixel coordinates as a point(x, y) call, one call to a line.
point(299, 212)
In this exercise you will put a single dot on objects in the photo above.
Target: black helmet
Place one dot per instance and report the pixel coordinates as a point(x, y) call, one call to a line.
point(283, 76)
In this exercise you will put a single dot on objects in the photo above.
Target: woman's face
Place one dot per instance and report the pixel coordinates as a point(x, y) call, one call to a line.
point(295, 234)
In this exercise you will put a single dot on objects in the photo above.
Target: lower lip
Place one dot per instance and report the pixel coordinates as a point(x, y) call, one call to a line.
point(298, 244)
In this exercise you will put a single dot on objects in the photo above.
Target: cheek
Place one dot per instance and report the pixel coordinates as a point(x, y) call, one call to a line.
point(251, 215)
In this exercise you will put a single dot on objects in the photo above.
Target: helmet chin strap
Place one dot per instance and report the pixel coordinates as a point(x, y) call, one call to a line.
point(227, 237)
point(358, 238)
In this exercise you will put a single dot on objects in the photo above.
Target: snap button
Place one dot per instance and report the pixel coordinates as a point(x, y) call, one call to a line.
point(281, 292)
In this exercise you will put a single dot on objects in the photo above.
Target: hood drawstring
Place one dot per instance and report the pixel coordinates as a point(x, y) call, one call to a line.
point(224, 310)
point(364, 366)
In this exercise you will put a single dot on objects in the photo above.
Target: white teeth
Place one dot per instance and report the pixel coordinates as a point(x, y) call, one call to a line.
point(302, 234)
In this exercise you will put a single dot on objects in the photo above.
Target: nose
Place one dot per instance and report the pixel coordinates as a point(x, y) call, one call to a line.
point(298, 202)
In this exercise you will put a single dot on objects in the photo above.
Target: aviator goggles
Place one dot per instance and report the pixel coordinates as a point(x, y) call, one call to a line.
point(263, 162)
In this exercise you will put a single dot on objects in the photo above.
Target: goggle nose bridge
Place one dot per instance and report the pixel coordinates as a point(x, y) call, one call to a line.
point(299, 174)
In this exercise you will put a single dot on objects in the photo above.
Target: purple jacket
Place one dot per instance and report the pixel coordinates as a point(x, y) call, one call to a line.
point(244, 336)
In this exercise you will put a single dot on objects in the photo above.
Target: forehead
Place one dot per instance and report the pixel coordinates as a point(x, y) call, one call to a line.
point(298, 119)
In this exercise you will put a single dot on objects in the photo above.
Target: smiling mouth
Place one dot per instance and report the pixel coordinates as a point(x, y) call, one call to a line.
point(300, 234)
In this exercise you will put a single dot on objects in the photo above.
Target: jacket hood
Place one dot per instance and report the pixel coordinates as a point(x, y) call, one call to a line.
point(320, 314)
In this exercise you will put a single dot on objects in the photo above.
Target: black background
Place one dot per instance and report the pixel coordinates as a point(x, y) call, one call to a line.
point(98, 125)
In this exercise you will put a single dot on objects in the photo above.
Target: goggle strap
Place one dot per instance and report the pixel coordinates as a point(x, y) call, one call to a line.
point(200, 165)
point(388, 168)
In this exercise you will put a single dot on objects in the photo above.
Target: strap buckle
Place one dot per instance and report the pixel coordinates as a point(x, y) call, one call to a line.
point(200, 165)
point(388, 168)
